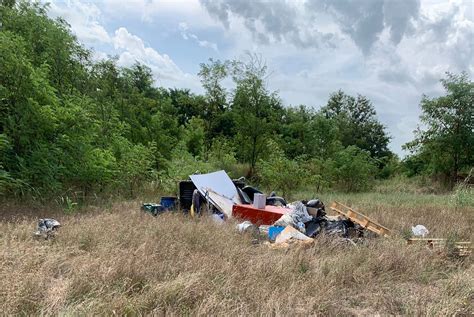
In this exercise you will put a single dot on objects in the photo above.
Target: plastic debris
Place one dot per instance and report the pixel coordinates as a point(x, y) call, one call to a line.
point(274, 231)
point(218, 218)
point(264, 229)
point(316, 208)
point(153, 209)
point(168, 203)
point(196, 203)
point(259, 201)
point(314, 227)
point(290, 235)
point(47, 228)
point(242, 227)
point(339, 228)
point(419, 231)
point(297, 217)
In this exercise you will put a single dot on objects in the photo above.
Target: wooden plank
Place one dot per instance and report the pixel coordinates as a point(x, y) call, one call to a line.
point(463, 247)
point(360, 219)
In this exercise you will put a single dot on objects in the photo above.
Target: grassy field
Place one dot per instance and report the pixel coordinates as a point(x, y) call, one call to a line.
point(119, 260)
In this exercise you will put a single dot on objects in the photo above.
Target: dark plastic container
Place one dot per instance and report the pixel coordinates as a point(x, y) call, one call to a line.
point(168, 202)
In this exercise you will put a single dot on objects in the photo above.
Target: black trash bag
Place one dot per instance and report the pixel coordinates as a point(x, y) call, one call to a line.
point(314, 227)
point(318, 206)
point(251, 191)
point(275, 201)
point(337, 227)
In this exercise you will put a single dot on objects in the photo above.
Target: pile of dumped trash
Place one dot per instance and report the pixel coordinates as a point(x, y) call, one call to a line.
point(281, 223)
point(304, 221)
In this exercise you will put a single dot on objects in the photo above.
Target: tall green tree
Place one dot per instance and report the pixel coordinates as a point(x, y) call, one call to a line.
point(255, 109)
point(216, 108)
point(357, 123)
point(445, 142)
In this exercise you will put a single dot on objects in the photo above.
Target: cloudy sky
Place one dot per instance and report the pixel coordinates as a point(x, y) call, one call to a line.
point(391, 51)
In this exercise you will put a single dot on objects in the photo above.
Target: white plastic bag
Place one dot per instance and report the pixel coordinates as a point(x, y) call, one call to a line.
point(419, 231)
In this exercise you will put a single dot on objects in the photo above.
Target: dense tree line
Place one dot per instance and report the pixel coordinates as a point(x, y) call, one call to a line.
point(444, 144)
point(70, 124)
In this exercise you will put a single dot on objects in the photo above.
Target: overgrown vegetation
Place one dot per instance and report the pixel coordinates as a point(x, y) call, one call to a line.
point(74, 127)
point(135, 264)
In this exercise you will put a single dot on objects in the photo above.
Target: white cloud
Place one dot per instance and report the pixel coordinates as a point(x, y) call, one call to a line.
point(132, 49)
point(84, 18)
point(186, 34)
point(151, 11)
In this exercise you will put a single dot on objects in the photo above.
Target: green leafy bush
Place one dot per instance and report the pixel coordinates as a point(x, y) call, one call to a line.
point(353, 169)
point(280, 173)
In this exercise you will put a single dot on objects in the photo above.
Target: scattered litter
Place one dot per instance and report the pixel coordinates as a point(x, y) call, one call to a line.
point(460, 248)
point(47, 228)
point(218, 218)
point(270, 217)
point(257, 216)
point(314, 227)
point(218, 182)
point(168, 203)
point(339, 228)
point(264, 229)
point(419, 231)
point(196, 203)
point(290, 234)
point(296, 218)
point(259, 201)
point(274, 231)
point(242, 227)
point(153, 209)
point(316, 208)
point(221, 203)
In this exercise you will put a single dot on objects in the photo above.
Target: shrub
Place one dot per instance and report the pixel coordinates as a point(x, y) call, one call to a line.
point(280, 173)
point(353, 169)
point(181, 165)
point(222, 155)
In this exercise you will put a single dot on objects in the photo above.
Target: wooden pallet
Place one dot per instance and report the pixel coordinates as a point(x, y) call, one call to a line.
point(360, 219)
point(463, 248)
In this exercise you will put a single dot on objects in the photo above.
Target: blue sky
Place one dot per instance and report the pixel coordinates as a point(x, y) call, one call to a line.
point(392, 51)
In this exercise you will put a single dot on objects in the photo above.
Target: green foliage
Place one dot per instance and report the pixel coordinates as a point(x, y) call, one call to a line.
point(181, 165)
point(463, 194)
point(280, 173)
point(194, 136)
point(70, 125)
point(255, 109)
point(353, 169)
point(357, 124)
point(318, 174)
point(222, 156)
point(69, 206)
point(446, 145)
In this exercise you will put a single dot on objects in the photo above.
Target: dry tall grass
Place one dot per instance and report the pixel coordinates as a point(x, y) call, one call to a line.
point(123, 261)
